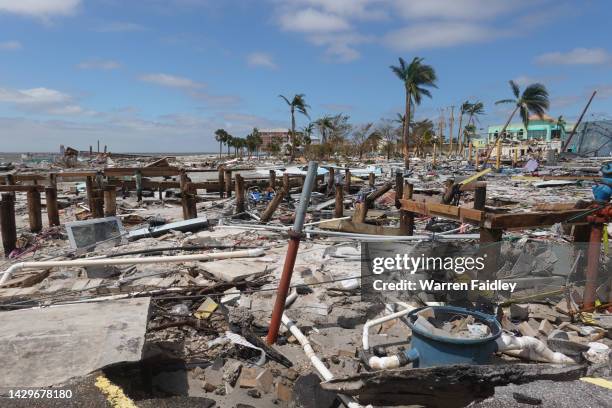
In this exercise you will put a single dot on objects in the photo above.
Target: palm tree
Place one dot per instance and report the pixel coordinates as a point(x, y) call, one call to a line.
point(221, 137)
point(229, 142)
point(307, 132)
point(534, 99)
point(423, 132)
point(257, 140)
point(474, 109)
point(324, 125)
point(416, 78)
point(463, 109)
point(297, 103)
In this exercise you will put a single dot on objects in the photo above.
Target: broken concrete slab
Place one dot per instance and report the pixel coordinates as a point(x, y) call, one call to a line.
point(44, 347)
point(230, 270)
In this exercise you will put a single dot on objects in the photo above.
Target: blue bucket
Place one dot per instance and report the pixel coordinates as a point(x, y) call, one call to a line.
point(429, 350)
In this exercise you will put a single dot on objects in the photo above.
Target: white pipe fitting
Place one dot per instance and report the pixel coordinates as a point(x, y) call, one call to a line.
point(375, 322)
point(130, 261)
point(530, 348)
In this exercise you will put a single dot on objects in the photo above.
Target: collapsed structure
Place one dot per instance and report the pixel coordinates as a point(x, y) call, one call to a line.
point(245, 283)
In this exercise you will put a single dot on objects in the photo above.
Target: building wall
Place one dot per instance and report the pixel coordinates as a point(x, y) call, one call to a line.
point(538, 129)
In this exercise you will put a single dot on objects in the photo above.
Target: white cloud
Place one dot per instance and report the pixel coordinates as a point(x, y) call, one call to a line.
point(10, 45)
point(171, 81)
point(341, 47)
point(358, 9)
point(119, 27)
point(39, 8)
point(41, 100)
point(453, 10)
point(577, 56)
point(441, 34)
point(99, 64)
point(312, 21)
point(261, 59)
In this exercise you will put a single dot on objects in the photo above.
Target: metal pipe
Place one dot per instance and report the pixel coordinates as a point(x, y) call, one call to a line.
point(292, 250)
point(130, 261)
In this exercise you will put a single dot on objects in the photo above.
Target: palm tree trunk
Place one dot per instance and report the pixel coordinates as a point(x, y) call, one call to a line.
point(406, 134)
point(292, 133)
point(490, 149)
point(460, 133)
point(220, 149)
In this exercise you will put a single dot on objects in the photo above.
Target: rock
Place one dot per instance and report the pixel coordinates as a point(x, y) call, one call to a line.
point(545, 327)
point(248, 377)
point(265, 381)
point(307, 393)
point(283, 392)
point(231, 372)
point(518, 312)
point(254, 393)
point(526, 329)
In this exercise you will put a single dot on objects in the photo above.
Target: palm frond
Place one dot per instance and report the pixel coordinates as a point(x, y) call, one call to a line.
point(515, 88)
point(505, 101)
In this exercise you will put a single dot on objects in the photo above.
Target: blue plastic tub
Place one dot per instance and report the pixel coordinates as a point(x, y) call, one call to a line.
point(428, 350)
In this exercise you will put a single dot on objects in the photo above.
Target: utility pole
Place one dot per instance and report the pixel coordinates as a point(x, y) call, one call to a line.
point(451, 120)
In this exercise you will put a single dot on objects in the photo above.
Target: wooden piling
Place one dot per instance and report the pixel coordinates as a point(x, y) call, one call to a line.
point(138, 177)
point(110, 201)
point(272, 183)
point(52, 210)
point(273, 205)
point(188, 201)
point(339, 208)
point(34, 210)
point(221, 181)
point(407, 217)
point(347, 181)
point(480, 196)
point(240, 201)
point(8, 226)
point(371, 179)
point(331, 180)
point(399, 188)
point(90, 192)
point(360, 213)
point(98, 204)
point(228, 183)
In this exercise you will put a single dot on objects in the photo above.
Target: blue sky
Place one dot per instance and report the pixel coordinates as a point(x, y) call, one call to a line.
point(153, 75)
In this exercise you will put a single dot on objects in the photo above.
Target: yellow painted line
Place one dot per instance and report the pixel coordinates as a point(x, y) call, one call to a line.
point(598, 381)
point(114, 394)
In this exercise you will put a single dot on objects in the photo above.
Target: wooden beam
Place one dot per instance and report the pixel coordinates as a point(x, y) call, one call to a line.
point(531, 219)
point(21, 188)
point(359, 228)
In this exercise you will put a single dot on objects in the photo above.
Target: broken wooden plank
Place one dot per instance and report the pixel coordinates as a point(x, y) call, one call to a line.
point(358, 228)
point(532, 219)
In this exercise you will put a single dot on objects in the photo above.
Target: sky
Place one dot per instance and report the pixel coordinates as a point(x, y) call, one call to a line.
point(163, 75)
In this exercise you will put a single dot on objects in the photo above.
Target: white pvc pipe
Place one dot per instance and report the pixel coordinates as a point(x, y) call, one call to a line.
point(384, 363)
point(375, 322)
point(531, 349)
point(314, 360)
point(130, 261)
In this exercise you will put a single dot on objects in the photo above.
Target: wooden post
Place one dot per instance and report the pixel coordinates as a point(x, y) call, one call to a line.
point(515, 161)
point(10, 181)
point(160, 192)
point(433, 159)
point(339, 208)
point(188, 201)
point(286, 183)
point(498, 153)
point(34, 210)
point(138, 176)
point(221, 181)
point(98, 204)
point(347, 181)
point(360, 213)
point(477, 159)
point(52, 211)
point(193, 201)
point(371, 179)
point(90, 192)
point(228, 183)
point(272, 182)
point(407, 217)
point(480, 196)
point(470, 152)
point(110, 201)
point(399, 188)
point(8, 226)
point(331, 181)
point(273, 205)
point(239, 183)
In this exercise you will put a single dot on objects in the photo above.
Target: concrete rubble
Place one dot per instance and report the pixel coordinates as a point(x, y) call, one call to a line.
point(195, 328)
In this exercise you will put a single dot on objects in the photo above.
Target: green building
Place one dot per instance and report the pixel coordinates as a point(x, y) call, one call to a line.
point(545, 129)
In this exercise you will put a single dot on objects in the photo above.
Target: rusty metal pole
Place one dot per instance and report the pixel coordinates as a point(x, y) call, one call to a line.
point(593, 253)
point(292, 249)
